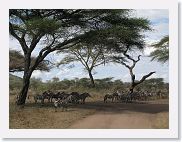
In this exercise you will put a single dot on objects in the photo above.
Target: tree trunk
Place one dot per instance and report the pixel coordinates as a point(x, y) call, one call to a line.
point(132, 88)
point(26, 80)
point(132, 80)
point(91, 79)
point(23, 94)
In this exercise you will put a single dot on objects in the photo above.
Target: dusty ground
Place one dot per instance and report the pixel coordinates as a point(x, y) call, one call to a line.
point(127, 116)
point(95, 114)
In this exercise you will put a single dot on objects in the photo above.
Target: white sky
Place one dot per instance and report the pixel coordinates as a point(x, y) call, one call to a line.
point(160, 24)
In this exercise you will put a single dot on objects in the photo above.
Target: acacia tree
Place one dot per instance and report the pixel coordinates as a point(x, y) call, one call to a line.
point(89, 56)
point(16, 62)
point(132, 41)
point(161, 52)
point(131, 66)
point(97, 49)
point(56, 30)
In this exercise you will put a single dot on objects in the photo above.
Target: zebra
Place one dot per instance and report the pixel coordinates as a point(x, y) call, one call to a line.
point(108, 96)
point(59, 95)
point(43, 96)
point(47, 95)
point(113, 97)
point(76, 96)
point(62, 103)
point(39, 97)
point(82, 97)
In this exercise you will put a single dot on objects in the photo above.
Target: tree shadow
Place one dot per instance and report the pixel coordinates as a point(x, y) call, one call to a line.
point(120, 107)
point(116, 107)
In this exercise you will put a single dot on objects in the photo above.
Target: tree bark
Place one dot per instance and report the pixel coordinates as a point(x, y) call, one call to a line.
point(23, 94)
point(132, 88)
point(26, 79)
point(134, 84)
point(91, 78)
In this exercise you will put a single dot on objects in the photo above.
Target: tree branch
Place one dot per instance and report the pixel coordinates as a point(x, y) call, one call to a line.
point(79, 56)
point(20, 40)
point(35, 40)
point(144, 78)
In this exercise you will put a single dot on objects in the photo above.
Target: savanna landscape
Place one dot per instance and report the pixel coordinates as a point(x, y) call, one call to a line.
point(93, 68)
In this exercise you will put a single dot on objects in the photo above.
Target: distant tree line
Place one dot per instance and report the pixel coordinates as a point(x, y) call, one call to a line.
point(83, 84)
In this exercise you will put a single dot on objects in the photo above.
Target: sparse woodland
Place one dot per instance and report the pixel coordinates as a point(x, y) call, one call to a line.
point(92, 38)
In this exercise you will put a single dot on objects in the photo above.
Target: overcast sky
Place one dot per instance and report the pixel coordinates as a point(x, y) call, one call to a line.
point(160, 23)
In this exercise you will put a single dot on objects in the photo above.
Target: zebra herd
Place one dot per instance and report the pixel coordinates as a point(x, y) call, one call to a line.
point(62, 99)
point(135, 96)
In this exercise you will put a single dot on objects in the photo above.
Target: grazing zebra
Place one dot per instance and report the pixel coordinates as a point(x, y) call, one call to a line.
point(108, 96)
point(74, 97)
point(39, 97)
point(62, 103)
point(58, 96)
point(113, 97)
point(82, 97)
point(47, 95)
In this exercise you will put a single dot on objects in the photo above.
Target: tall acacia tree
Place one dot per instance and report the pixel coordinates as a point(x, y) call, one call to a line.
point(130, 63)
point(90, 56)
point(98, 49)
point(57, 30)
point(133, 41)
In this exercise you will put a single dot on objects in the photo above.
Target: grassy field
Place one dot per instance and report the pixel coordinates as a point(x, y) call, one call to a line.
point(35, 116)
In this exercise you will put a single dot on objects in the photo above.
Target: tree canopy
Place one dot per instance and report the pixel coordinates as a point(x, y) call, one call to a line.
point(16, 62)
point(60, 29)
point(161, 52)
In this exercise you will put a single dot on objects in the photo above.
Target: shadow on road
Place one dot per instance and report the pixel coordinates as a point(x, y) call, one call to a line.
point(114, 107)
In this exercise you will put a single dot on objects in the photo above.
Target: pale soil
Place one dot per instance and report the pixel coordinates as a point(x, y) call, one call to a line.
point(128, 116)
point(126, 120)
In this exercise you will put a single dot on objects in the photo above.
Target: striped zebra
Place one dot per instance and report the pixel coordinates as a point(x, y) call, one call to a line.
point(113, 97)
point(39, 97)
point(43, 96)
point(82, 97)
point(63, 103)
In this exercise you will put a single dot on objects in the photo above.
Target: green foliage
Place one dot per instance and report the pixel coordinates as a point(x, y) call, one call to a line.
point(16, 62)
point(153, 84)
point(83, 85)
point(45, 26)
point(161, 52)
point(14, 82)
point(55, 79)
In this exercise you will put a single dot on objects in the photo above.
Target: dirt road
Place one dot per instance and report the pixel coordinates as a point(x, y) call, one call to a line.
point(126, 116)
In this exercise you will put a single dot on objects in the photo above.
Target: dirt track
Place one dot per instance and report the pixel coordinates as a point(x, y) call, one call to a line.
point(129, 116)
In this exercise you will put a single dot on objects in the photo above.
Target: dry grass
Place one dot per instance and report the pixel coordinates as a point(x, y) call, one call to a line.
point(34, 116)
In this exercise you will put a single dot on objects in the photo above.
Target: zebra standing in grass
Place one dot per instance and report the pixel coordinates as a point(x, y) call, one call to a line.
point(43, 96)
point(63, 103)
point(39, 97)
point(82, 97)
point(113, 97)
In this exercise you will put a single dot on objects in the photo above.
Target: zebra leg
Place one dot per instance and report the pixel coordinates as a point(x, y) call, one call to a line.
point(112, 99)
point(55, 109)
point(35, 99)
point(105, 100)
point(42, 101)
point(83, 101)
point(62, 108)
